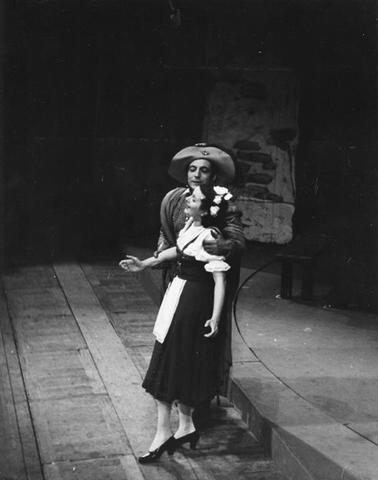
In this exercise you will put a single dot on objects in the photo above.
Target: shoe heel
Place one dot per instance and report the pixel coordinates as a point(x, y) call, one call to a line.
point(171, 448)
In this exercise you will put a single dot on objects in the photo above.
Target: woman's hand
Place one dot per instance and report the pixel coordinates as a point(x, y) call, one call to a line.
point(213, 325)
point(132, 264)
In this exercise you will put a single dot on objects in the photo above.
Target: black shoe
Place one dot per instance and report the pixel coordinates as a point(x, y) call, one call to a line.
point(169, 446)
point(191, 438)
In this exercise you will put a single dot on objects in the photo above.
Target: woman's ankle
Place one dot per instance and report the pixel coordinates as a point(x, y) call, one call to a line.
point(187, 430)
point(159, 439)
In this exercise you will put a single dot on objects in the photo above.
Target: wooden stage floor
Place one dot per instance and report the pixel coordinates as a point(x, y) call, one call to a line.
point(75, 341)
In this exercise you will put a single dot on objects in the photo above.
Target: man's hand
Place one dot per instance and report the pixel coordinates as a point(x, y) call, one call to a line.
point(217, 245)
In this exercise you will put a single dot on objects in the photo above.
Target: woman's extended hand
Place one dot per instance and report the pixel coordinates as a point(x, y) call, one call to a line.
point(132, 264)
point(213, 325)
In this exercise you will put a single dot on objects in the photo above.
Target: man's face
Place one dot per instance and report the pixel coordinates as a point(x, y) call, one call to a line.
point(199, 173)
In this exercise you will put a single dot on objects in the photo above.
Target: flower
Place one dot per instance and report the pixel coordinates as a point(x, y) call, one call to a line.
point(220, 190)
point(222, 194)
point(214, 211)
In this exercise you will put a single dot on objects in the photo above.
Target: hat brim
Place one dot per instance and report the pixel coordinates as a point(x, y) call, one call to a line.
point(222, 161)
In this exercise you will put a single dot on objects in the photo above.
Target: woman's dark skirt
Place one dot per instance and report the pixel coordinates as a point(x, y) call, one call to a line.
point(185, 367)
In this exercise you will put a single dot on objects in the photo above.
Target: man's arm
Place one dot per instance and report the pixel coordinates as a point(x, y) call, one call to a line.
point(162, 244)
point(230, 243)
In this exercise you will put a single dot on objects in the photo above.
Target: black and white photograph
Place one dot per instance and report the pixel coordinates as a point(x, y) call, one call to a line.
point(188, 239)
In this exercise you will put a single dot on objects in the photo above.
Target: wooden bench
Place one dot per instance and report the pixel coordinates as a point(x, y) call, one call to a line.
point(303, 250)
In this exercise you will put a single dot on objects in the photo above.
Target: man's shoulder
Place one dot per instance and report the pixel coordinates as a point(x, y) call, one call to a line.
point(171, 200)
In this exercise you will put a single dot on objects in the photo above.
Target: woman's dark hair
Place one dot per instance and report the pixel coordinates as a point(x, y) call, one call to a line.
point(209, 220)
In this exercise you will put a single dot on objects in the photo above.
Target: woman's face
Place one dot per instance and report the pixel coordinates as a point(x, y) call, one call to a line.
point(194, 204)
point(199, 173)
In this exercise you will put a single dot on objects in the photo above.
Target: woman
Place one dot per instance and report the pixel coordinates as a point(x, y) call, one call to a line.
point(185, 364)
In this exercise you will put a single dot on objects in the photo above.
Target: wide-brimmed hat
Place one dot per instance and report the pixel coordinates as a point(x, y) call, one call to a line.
point(222, 161)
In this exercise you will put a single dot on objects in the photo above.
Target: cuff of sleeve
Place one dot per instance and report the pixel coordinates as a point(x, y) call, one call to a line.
point(217, 266)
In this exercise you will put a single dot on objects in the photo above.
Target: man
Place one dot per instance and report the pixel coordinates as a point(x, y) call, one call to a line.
point(193, 166)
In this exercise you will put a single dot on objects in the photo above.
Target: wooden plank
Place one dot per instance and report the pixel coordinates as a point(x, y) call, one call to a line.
point(55, 375)
point(77, 428)
point(72, 414)
point(367, 430)
point(36, 302)
point(11, 456)
point(29, 463)
point(135, 323)
point(141, 356)
point(134, 329)
point(105, 273)
point(115, 468)
point(119, 302)
point(31, 277)
point(117, 291)
point(41, 333)
point(114, 363)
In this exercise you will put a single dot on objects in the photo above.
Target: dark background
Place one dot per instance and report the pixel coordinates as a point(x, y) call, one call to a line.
point(98, 95)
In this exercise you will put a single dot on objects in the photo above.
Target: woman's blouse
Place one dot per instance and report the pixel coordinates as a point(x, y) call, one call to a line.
point(191, 239)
